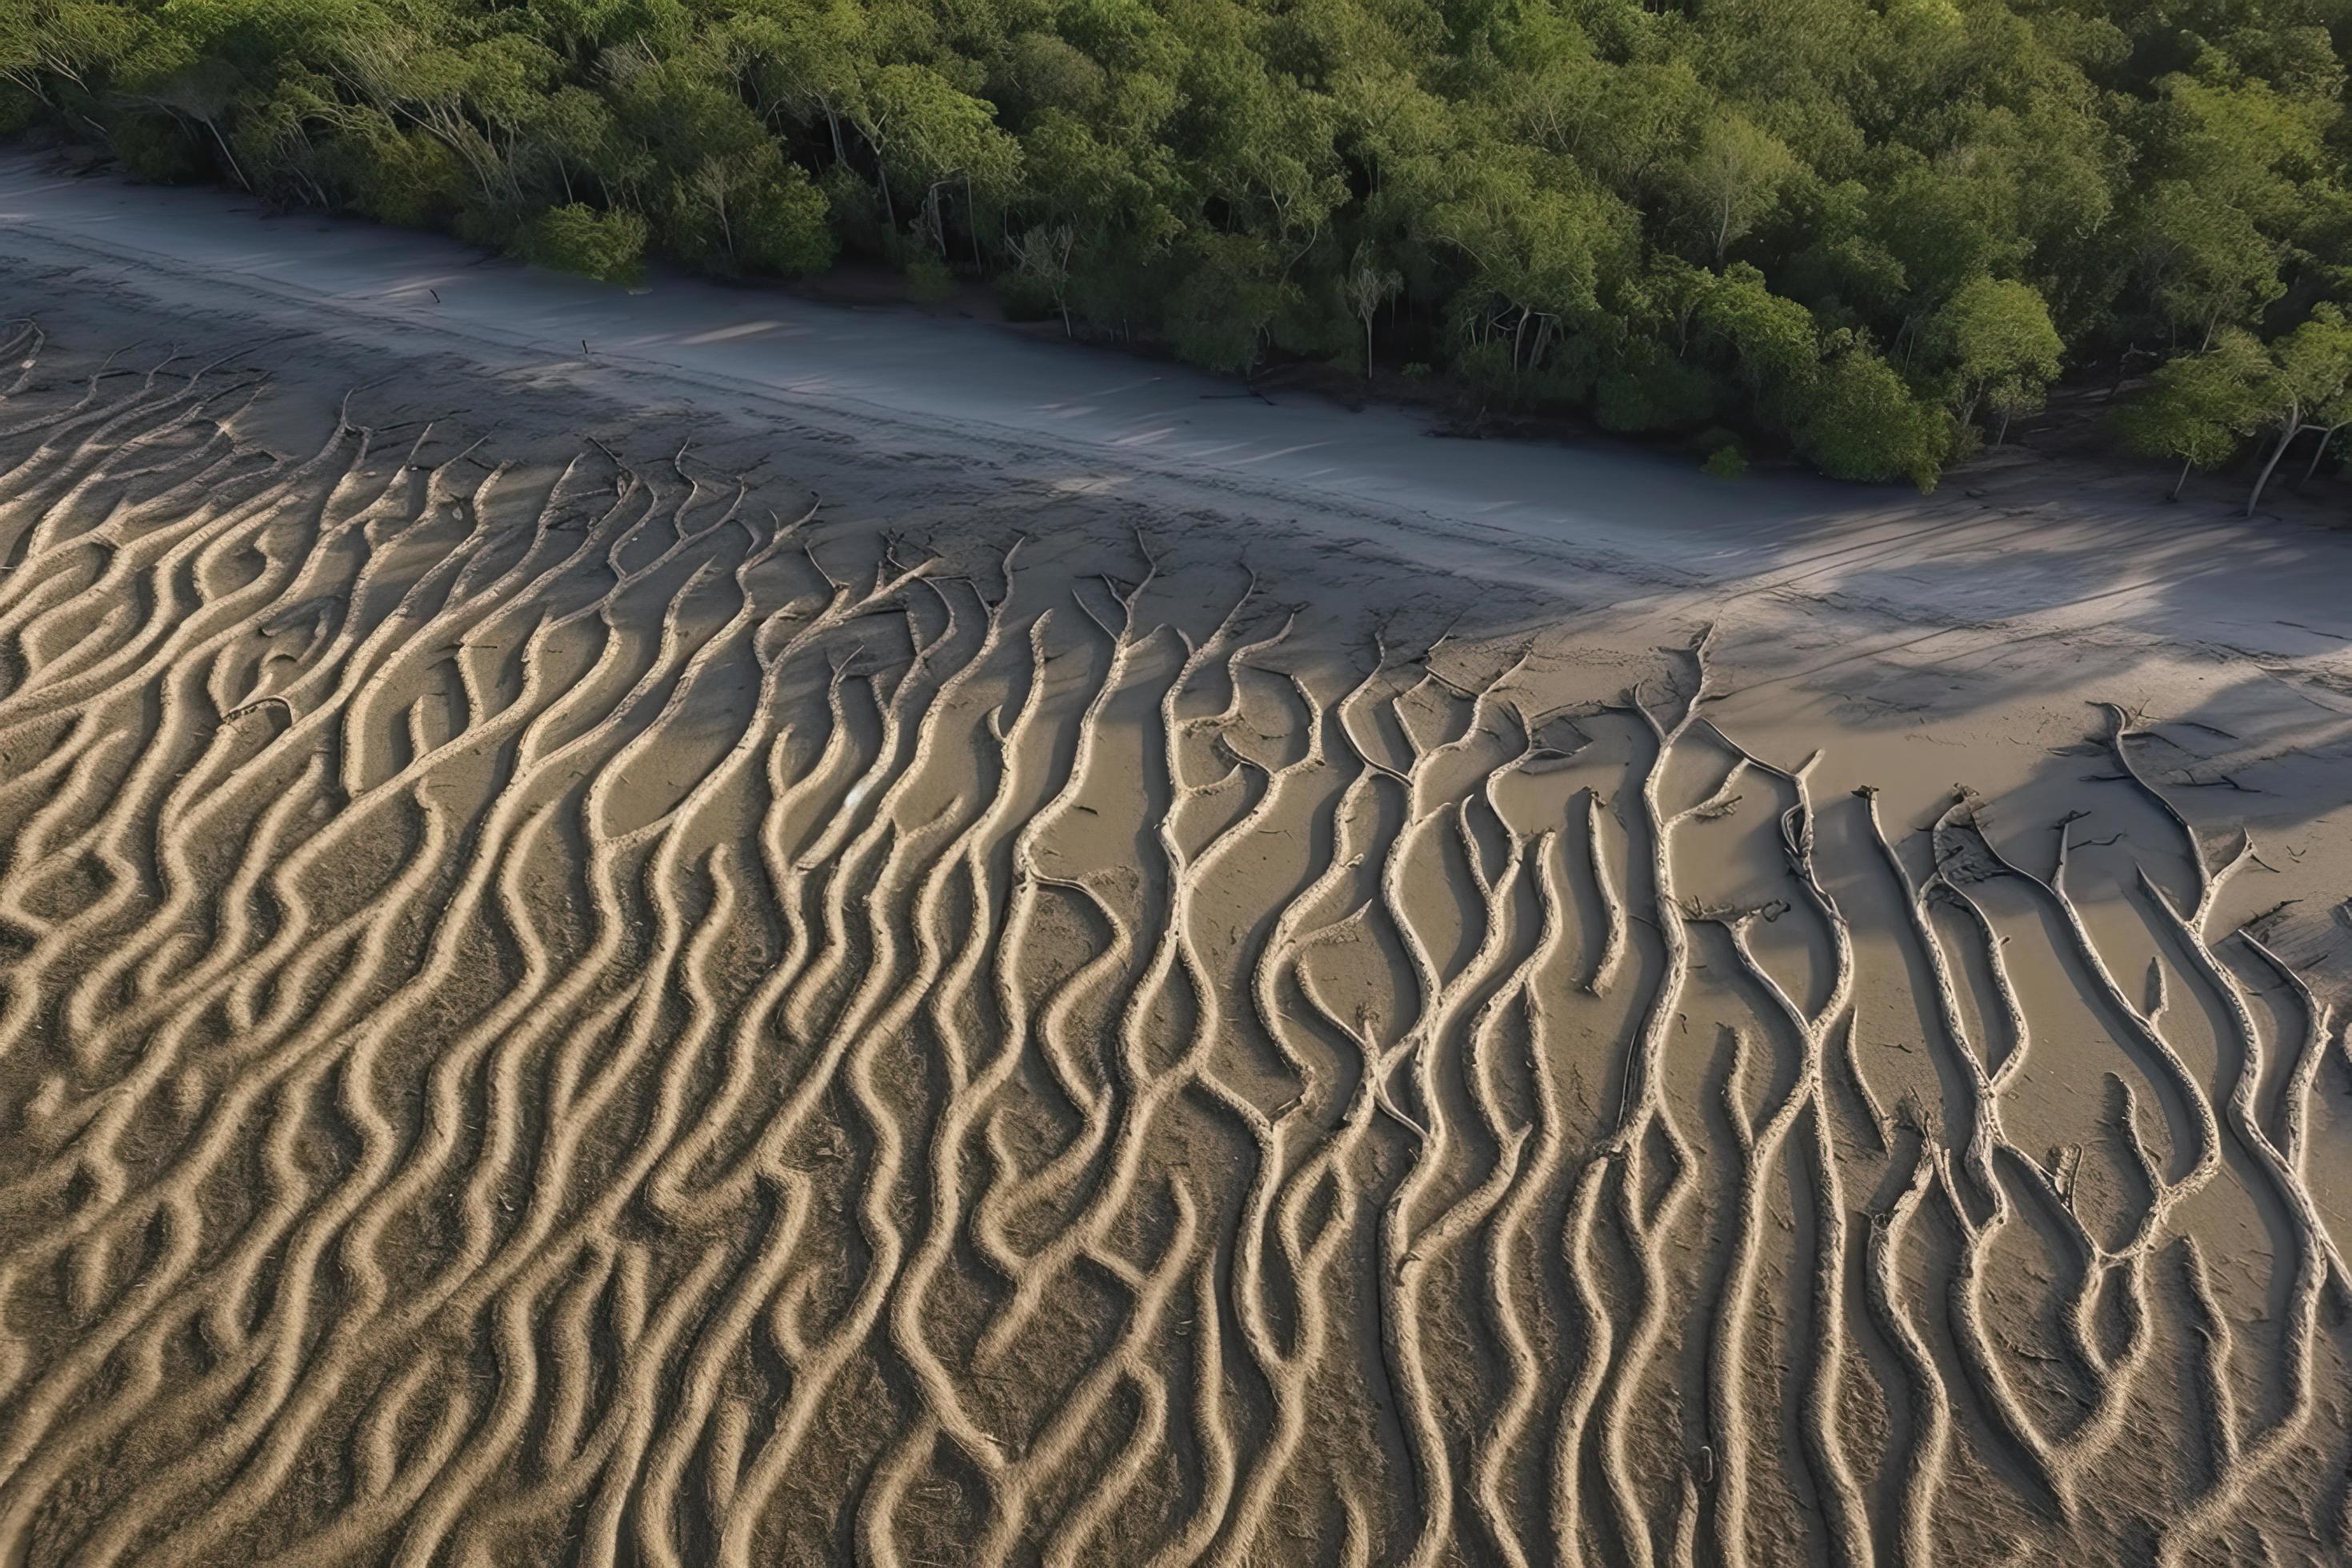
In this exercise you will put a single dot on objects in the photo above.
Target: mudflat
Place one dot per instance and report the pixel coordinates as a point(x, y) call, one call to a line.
point(698, 927)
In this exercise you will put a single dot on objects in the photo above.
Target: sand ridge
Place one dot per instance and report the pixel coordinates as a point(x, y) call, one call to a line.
point(573, 999)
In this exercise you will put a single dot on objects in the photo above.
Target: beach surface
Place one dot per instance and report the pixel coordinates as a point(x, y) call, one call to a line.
point(701, 926)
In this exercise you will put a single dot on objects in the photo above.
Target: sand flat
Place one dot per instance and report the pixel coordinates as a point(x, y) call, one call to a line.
point(697, 927)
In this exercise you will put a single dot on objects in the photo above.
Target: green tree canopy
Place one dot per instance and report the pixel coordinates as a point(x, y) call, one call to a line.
point(1851, 230)
point(1996, 336)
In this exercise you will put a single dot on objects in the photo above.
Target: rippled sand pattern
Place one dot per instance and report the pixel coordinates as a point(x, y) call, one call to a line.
point(586, 1015)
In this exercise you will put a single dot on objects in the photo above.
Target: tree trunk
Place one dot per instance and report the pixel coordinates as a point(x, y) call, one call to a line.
point(2293, 428)
point(1368, 348)
point(932, 215)
point(2183, 479)
point(2317, 452)
point(229, 155)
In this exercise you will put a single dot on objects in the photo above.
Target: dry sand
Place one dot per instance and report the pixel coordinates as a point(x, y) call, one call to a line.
point(824, 936)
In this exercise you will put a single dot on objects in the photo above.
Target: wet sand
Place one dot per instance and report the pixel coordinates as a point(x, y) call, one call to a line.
point(818, 935)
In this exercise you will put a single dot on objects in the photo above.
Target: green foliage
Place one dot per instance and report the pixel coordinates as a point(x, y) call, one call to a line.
point(1864, 423)
point(1773, 343)
point(154, 147)
point(1857, 230)
point(1230, 292)
point(2199, 408)
point(2312, 375)
point(2308, 385)
point(1730, 180)
point(783, 230)
point(1996, 336)
point(610, 245)
point(403, 177)
point(929, 280)
point(19, 110)
point(1656, 393)
point(1726, 462)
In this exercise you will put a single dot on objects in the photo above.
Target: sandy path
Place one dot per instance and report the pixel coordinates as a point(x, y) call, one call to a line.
point(816, 944)
point(2033, 549)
